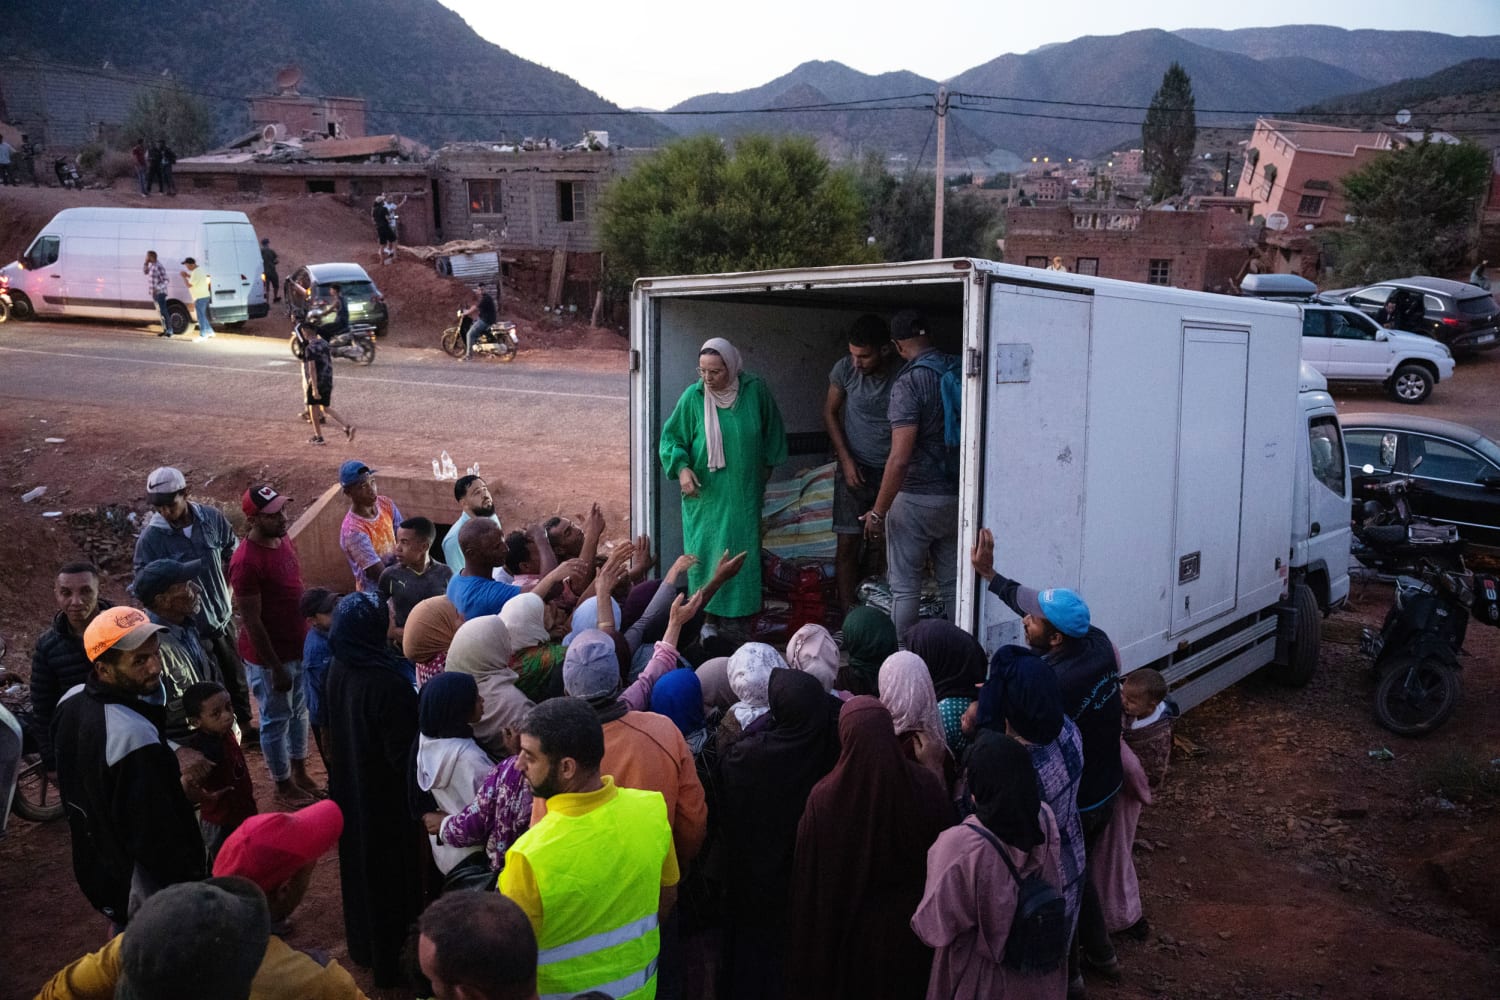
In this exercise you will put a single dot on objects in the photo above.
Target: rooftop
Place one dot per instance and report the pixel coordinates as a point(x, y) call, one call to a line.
point(1317, 138)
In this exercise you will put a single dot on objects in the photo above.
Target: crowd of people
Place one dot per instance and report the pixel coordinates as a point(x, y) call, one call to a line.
point(553, 774)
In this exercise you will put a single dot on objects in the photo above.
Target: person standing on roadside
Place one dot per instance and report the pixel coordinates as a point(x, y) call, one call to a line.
point(385, 233)
point(59, 663)
point(7, 151)
point(187, 531)
point(138, 154)
point(167, 183)
point(368, 534)
point(267, 581)
point(268, 261)
point(157, 285)
point(201, 289)
point(153, 167)
point(317, 382)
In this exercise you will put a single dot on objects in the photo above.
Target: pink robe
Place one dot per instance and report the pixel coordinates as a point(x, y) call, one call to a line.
point(966, 912)
point(1113, 869)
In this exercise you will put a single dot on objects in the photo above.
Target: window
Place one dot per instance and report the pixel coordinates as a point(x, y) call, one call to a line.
point(1444, 460)
point(1327, 453)
point(248, 183)
point(1373, 297)
point(1311, 204)
point(1159, 272)
point(1036, 262)
point(485, 198)
point(1087, 265)
point(1347, 326)
point(1314, 323)
point(43, 252)
point(319, 187)
point(570, 201)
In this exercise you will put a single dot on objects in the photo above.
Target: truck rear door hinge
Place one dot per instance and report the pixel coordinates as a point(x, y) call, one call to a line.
point(635, 360)
point(972, 363)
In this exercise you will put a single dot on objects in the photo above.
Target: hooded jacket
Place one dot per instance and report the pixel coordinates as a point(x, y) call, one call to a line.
point(211, 539)
point(452, 769)
point(58, 664)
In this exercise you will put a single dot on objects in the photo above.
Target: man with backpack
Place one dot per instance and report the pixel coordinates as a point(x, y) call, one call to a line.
point(917, 507)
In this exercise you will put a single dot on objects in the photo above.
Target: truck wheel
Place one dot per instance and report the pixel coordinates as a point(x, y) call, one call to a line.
point(180, 318)
point(1295, 668)
point(1416, 695)
point(453, 342)
point(1410, 384)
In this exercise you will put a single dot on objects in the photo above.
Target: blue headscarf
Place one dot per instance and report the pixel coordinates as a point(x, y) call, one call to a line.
point(586, 616)
point(447, 705)
point(358, 637)
point(679, 696)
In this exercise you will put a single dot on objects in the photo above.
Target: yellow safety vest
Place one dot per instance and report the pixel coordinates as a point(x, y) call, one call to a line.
point(599, 878)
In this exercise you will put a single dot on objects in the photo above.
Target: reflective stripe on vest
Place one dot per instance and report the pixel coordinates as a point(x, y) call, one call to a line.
point(598, 942)
point(618, 988)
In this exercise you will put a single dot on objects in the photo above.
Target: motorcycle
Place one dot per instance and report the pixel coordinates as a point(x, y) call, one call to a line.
point(5, 303)
point(1415, 653)
point(357, 343)
point(67, 173)
point(31, 792)
point(499, 340)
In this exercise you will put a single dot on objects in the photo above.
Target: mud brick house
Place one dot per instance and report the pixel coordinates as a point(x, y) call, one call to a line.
point(1203, 247)
point(64, 107)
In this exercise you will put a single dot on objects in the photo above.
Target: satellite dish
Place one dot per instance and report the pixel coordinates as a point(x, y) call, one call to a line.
point(272, 133)
point(1403, 117)
point(1277, 221)
point(1218, 175)
point(288, 78)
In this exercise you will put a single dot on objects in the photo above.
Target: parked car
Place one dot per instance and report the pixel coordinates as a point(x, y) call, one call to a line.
point(1464, 317)
point(309, 284)
point(1345, 345)
point(1455, 469)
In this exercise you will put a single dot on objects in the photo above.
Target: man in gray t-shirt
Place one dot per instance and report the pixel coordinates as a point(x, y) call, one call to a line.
point(917, 507)
point(855, 416)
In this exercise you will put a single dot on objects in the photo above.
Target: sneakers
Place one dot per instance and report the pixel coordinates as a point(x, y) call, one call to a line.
point(349, 432)
point(316, 439)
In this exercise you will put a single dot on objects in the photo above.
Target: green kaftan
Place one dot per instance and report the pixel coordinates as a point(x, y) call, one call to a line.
point(726, 512)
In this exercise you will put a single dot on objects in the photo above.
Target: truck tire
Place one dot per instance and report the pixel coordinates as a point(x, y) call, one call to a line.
point(1411, 384)
point(180, 318)
point(1295, 668)
point(1415, 694)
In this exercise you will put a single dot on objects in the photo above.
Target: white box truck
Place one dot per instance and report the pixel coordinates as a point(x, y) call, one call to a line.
point(1161, 451)
point(87, 262)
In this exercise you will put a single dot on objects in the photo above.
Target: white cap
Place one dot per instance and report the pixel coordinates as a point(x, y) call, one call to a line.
point(165, 480)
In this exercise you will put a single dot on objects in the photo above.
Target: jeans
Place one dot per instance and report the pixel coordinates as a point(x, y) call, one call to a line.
point(201, 307)
point(917, 526)
point(140, 176)
point(476, 328)
point(160, 298)
point(283, 717)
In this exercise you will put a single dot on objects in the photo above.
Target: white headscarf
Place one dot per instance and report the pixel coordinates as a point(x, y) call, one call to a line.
point(713, 399)
point(906, 690)
point(812, 650)
point(525, 617)
point(750, 679)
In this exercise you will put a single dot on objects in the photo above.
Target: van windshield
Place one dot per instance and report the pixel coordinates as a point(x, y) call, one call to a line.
point(43, 252)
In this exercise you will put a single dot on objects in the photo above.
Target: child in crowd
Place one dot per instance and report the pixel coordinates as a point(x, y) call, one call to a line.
point(317, 607)
point(226, 798)
point(449, 768)
point(1148, 719)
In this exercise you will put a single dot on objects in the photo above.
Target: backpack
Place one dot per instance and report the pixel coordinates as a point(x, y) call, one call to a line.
point(1039, 933)
point(951, 389)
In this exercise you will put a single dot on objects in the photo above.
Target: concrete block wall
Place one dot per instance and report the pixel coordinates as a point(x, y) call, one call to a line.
point(60, 108)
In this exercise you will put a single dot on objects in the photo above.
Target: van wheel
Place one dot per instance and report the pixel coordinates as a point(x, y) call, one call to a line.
point(1299, 661)
point(20, 306)
point(1410, 384)
point(180, 318)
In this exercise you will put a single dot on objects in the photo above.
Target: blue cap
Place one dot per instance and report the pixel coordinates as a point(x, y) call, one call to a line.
point(353, 471)
point(1062, 608)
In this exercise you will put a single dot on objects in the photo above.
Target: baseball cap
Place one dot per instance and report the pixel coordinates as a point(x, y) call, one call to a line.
point(123, 628)
point(353, 471)
point(195, 940)
point(317, 601)
point(591, 669)
point(269, 848)
point(158, 575)
point(262, 499)
point(1063, 608)
point(908, 323)
point(189, 260)
point(162, 484)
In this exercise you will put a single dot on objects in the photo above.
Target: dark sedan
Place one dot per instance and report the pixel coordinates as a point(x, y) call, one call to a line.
point(1465, 317)
point(1455, 469)
point(308, 286)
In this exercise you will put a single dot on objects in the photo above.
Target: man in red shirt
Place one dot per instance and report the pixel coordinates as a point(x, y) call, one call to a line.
point(267, 582)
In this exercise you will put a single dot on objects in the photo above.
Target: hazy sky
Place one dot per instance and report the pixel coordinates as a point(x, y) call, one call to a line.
point(655, 53)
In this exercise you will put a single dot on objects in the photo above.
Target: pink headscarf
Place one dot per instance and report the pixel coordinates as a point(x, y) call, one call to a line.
point(813, 651)
point(906, 690)
point(713, 399)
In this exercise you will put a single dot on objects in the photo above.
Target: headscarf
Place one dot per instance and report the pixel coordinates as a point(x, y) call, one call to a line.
point(749, 676)
point(1004, 786)
point(525, 616)
point(482, 648)
point(446, 706)
point(637, 601)
point(357, 637)
point(813, 651)
point(869, 637)
point(954, 658)
point(429, 628)
point(714, 677)
point(586, 616)
point(1022, 690)
point(906, 690)
point(679, 697)
point(713, 399)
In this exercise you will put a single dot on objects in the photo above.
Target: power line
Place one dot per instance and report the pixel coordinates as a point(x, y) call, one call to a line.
point(1201, 111)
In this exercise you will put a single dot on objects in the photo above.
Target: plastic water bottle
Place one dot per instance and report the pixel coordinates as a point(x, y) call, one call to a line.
point(437, 470)
point(474, 469)
point(450, 471)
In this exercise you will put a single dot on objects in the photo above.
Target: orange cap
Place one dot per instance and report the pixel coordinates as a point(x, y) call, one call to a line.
point(126, 628)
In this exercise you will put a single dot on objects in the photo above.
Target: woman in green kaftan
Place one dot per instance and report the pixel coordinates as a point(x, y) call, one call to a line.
point(720, 444)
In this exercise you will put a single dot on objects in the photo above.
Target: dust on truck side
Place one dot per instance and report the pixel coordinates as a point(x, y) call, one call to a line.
point(1155, 449)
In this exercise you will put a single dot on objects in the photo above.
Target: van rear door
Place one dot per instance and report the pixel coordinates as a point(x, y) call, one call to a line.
point(233, 258)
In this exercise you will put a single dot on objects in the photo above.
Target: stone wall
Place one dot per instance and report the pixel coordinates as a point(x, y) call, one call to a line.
point(61, 108)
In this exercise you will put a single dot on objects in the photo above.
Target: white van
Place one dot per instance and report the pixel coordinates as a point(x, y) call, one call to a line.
point(87, 262)
point(1156, 449)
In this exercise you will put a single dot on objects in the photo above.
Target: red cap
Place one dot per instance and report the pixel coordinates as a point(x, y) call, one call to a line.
point(269, 848)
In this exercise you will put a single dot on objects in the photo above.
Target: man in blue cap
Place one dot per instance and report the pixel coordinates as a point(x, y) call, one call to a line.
point(368, 534)
point(1057, 626)
point(172, 597)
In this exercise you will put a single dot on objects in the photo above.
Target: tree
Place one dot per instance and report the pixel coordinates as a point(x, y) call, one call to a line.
point(170, 113)
point(1168, 134)
point(697, 207)
point(1414, 212)
point(900, 215)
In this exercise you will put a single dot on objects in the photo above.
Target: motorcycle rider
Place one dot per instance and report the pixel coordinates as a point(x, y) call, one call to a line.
point(482, 315)
point(340, 310)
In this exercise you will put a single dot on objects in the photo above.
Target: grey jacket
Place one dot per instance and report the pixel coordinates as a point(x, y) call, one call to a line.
point(212, 541)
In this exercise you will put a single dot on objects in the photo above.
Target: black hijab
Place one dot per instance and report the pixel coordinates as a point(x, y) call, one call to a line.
point(1003, 782)
point(954, 658)
point(1022, 690)
point(447, 705)
point(357, 637)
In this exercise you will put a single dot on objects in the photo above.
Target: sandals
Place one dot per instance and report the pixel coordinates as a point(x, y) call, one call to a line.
point(349, 432)
point(316, 439)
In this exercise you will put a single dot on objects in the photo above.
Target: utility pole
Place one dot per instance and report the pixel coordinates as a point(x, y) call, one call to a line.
point(942, 162)
point(1226, 173)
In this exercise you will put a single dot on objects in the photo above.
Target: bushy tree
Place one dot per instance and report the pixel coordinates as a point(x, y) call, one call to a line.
point(1169, 132)
point(1414, 212)
point(900, 212)
point(699, 207)
point(169, 113)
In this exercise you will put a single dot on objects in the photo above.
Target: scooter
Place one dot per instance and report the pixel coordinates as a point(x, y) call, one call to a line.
point(357, 343)
point(67, 173)
point(499, 340)
point(25, 787)
point(1415, 653)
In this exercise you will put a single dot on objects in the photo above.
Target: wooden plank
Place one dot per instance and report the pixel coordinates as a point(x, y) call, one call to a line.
point(559, 273)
